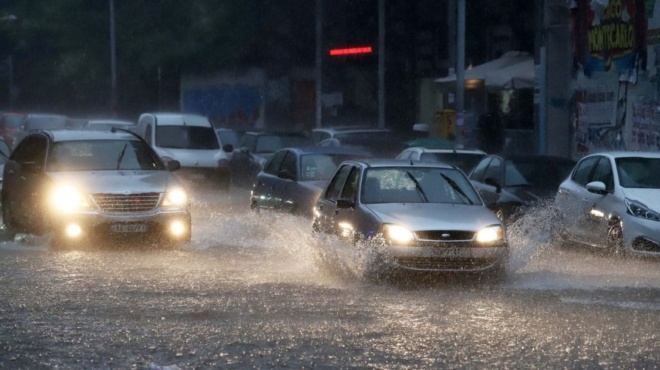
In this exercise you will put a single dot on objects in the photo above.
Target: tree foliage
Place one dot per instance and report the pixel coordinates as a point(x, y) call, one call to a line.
point(61, 48)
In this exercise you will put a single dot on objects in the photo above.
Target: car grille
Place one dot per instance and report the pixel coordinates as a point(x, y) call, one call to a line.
point(120, 203)
point(444, 235)
point(465, 264)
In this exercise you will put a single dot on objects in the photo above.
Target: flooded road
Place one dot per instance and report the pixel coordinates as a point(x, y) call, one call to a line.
point(257, 291)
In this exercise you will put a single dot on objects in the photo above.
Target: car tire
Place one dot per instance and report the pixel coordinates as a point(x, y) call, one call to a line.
point(9, 225)
point(615, 239)
point(59, 242)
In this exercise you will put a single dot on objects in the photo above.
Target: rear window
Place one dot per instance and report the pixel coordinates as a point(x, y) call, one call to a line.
point(45, 122)
point(186, 137)
point(464, 161)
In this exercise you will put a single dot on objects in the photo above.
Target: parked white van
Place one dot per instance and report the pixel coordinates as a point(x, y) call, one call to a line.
point(191, 140)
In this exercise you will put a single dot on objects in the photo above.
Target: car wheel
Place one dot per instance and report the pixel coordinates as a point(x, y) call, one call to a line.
point(59, 242)
point(9, 225)
point(615, 239)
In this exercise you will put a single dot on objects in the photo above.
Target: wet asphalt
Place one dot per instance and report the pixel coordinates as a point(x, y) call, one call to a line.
point(259, 291)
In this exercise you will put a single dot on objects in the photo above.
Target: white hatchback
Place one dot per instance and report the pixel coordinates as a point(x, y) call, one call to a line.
point(612, 200)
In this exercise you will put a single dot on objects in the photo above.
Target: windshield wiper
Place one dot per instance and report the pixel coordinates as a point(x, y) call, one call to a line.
point(121, 156)
point(418, 187)
point(521, 185)
point(455, 186)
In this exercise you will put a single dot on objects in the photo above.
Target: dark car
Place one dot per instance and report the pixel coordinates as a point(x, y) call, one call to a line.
point(82, 184)
point(507, 183)
point(294, 177)
point(256, 148)
point(11, 123)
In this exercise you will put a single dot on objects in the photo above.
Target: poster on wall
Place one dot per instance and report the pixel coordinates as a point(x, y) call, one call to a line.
point(594, 118)
point(610, 35)
point(645, 130)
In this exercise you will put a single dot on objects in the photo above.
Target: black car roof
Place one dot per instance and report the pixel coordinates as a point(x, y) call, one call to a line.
point(329, 150)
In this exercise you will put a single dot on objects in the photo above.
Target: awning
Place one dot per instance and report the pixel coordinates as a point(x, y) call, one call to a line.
point(482, 70)
point(516, 76)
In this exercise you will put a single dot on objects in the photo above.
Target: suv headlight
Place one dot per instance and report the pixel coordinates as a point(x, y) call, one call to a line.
point(397, 234)
point(490, 234)
point(175, 198)
point(67, 198)
point(638, 209)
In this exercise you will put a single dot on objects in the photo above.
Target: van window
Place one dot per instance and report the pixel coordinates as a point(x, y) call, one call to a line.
point(186, 137)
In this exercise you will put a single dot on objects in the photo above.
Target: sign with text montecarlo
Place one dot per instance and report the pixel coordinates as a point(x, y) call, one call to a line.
point(610, 35)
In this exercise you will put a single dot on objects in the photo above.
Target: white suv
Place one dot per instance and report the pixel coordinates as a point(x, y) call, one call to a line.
point(191, 140)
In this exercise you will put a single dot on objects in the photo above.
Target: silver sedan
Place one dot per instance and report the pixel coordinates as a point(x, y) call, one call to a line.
point(427, 216)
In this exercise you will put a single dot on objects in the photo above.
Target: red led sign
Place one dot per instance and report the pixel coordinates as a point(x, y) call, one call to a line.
point(351, 51)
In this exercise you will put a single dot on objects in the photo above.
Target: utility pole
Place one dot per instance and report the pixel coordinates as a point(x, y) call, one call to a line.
point(381, 63)
point(319, 63)
point(460, 72)
point(113, 61)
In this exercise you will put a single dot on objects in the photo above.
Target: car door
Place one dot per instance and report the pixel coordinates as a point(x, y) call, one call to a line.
point(24, 181)
point(572, 199)
point(284, 187)
point(263, 191)
point(327, 203)
point(346, 222)
point(485, 181)
point(597, 206)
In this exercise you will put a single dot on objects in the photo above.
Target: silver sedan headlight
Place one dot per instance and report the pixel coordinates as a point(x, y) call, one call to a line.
point(397, 234)
point(490, 234)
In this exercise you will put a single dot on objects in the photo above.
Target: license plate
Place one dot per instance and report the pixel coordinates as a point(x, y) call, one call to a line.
point(129, 228)
point(445, 252)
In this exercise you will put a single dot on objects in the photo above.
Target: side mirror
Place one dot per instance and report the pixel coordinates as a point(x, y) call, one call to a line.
point(228, 148)
point(287, 175)
point(345, 203)
point(31, 167)
point(597, 187)
point(492, 182)
point(173, 165)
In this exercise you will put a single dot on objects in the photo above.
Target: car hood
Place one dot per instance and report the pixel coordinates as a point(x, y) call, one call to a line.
point(434, 216)
point(650, 197)
point(116, 181)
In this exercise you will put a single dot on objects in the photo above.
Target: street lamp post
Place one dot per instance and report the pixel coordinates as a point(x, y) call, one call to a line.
point(113, 61)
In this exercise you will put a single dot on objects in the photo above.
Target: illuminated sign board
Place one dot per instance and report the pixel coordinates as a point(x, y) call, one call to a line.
point(351, 51)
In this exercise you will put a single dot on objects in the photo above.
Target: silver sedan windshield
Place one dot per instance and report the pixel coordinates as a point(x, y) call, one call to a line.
point(417, 185)
point(637, 172)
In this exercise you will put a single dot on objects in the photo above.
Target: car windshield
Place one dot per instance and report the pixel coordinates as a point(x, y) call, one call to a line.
point(186, 137)
point(464, 161)
point(544, 174)
point(102, 155)
point(319, 167)
point(273, 143)
point(417, 185)
point(637, 172)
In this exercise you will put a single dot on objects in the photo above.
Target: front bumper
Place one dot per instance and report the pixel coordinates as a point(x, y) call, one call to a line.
point(94, 225)
point(457, 257)
point(641, 236)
